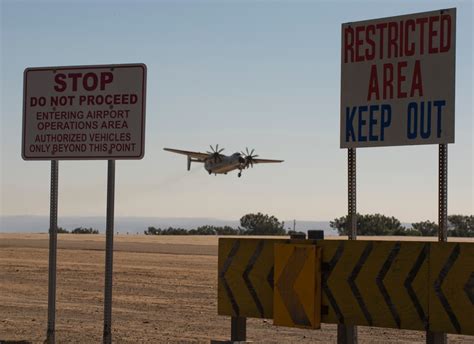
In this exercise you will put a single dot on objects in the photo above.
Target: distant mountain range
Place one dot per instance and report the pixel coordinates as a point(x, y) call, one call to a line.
point(133, 225)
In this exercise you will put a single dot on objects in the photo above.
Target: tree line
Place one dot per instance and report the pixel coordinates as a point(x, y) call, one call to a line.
point(368, 224)
point(377, 224)
point(250, 224)
point(78, 230)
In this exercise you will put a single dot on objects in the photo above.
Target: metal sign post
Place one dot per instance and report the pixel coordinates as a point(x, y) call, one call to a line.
point(439, 337)
point(352, 192)
point(83, 113)
point(348, 334)
point(398, 88)
point(53, 233)
point(109, 252)
point(443, 193)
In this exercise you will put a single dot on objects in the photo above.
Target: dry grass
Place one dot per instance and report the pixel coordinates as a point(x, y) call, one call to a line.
point(165, 290)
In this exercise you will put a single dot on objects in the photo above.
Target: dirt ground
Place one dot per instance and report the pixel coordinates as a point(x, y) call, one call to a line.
point(165, 291)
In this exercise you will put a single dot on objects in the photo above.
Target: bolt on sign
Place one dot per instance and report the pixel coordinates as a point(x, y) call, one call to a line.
point(397, 80)
point(84, 112)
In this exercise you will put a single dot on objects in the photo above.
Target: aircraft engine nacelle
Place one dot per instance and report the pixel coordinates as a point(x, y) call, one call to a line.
point(189, 163)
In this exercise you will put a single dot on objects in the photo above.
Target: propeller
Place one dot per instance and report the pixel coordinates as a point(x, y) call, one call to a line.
point(215, 153)
point(248, 156)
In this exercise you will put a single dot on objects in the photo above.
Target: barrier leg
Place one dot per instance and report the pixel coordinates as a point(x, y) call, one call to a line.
point(346, 334)
point(436, 338)
point(238, 329)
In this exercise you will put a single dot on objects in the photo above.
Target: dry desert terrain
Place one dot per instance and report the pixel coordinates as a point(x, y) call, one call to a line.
point(165, 290)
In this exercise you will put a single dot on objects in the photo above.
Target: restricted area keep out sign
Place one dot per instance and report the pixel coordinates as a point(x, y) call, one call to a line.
point(84, 112)
point(398, 80)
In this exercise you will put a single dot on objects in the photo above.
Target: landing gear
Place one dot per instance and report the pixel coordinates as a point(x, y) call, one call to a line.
point(240, 174)
point(209, 172)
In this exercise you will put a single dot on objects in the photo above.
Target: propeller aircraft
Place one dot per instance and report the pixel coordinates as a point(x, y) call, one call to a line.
point(218, 163)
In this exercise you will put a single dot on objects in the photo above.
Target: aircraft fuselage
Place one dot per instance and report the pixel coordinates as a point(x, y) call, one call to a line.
point(225, 164)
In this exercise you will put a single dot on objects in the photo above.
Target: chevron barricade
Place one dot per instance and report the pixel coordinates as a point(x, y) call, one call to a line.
point(372, 283)
point(245, 277)
point(395, 284)
point(451, 286)
point(297, 286)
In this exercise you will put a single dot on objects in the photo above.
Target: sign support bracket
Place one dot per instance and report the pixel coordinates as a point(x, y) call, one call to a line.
point(53, 235)
point(53, 90)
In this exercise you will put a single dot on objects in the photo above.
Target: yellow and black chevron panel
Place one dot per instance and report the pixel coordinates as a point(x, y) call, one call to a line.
point(375, 283)
point(245, 277)
point(452, 288)
point(406, 285)
point(297, 286)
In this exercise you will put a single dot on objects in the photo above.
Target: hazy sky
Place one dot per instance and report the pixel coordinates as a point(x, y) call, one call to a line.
point(263, 75)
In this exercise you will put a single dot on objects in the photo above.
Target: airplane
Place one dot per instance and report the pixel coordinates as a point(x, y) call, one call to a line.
point(217, 163)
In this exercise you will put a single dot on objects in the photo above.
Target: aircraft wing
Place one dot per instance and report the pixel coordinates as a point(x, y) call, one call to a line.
point(195, 155)
point(265, 161)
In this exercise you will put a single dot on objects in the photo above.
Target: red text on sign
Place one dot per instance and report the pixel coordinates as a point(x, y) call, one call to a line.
point(390, 80)
point(397, 38)
point(89, 81)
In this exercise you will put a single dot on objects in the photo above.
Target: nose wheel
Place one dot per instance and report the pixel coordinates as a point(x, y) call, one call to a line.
point(240, 174)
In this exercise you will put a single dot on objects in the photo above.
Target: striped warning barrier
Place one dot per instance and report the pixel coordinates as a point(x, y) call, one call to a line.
point(245, 277)
point(375, 283)
point(297, 293)
point(396, 284)
point(451, 283)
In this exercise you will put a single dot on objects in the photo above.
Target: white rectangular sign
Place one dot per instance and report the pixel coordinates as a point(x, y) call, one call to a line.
point(84, 112)
point(397, 80)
